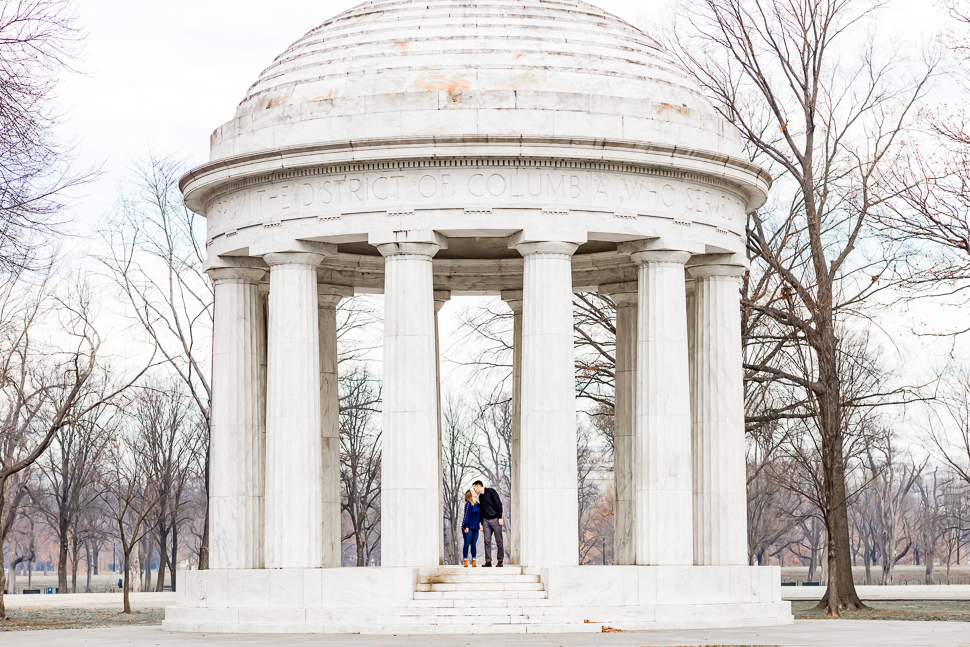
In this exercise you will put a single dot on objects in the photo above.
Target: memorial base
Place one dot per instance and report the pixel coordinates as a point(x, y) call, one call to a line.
point(454, 600)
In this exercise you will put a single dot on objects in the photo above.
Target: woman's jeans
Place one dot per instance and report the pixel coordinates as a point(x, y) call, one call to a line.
point(471, 539)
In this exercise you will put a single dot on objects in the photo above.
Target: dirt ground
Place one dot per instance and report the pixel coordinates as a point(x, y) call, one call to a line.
point(27, 619)
point(952, 611)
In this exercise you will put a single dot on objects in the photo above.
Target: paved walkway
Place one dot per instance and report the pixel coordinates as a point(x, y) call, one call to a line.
point(804, 633)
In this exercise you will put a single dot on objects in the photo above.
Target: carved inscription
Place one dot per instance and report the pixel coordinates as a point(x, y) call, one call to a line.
point(328, 195)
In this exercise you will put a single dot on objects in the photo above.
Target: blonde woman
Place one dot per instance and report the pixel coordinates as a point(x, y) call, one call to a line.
point(470, 525)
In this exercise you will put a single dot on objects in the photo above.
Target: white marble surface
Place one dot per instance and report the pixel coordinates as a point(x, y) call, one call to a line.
point(410, 474)
point(446, 68)
point(294, 454)
point(237, 428)
point(720, 494)
point(547, 462)
point(441, 297)
point(624, 426)
point(514, 300)
point(328, 297)
point(664, 533)
point(455, 600)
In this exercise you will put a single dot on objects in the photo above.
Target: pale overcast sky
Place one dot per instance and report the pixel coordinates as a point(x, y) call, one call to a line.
point(164, 75)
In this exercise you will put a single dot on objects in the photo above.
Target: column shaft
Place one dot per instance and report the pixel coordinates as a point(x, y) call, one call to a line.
point(328, 297)
point(410, 474)
point(624, 426)
point(237, 425)
point(294, 471)
point(720, 517)
point(548, 507)
point(514, 299)
point(663, 434)
point(440, 298)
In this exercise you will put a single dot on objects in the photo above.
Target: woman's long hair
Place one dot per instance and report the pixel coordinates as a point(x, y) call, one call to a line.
point(470, 497)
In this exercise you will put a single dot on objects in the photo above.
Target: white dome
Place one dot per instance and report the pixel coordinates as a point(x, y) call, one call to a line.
point(391, 69)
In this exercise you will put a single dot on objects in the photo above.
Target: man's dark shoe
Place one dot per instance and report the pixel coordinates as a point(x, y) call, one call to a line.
point(487, 565)
point(499, 565)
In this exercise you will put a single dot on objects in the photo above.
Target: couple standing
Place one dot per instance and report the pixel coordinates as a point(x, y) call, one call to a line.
point(483, 510)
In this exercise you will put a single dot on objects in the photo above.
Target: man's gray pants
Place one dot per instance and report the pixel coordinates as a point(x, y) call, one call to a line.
point(490, 527)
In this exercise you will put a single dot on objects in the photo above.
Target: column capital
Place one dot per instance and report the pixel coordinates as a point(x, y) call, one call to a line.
point(649, 257)
point(514, 299)
point(328, 296)
point(706, 271)
point(238, 274)
point(293, 258)
point(441, 297)
point(292, 246)
point(408, 249)
point(546, 247)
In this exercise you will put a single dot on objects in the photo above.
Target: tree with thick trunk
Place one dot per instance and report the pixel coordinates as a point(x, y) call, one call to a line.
point(817, 107)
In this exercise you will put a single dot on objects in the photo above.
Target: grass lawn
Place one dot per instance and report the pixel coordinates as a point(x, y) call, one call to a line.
point(27, 619)
point(954, 611)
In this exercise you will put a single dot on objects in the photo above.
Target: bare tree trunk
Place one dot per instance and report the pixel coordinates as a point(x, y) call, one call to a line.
point(88, 566)
point(3, 570)
point(204, 546)
point(162, 559)
point(127, 583)
point(62, 557)
point(841, 593)
point(174, 560)
point(929, 556)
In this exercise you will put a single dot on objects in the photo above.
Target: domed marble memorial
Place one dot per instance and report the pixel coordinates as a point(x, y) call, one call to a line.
point(522, 148)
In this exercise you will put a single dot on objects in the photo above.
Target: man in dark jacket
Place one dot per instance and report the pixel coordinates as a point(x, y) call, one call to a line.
point(491, 506)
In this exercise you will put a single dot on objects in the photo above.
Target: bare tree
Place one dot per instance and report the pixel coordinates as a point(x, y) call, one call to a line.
point(38, 39)
point(171, 445)
point(43, 389)
point(360, 460)
point(68, 474)
point(155, 259)
point(820, 107)
point(456, 459)
point(128, 489)
point(891, 478)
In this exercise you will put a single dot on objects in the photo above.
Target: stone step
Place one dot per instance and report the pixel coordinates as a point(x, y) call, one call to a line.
point(488, 620)
point(473, 596)
point(477, 576)
point(473, 603)
point(466, 629)
point(446, 570)
point(481, 586)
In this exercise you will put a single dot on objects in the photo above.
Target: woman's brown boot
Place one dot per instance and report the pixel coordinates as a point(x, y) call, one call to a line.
point(466, 563)
point(473, 563)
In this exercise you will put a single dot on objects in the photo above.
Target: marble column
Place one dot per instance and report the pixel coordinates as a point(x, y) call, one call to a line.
point(410, 476)
point(328, 297)
point(548, 506)
point(720, 519)
point(663, 433)
point(514, 300)
point(294, 470)
point(236, 433)
point(624, 422)
point(440, 298)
